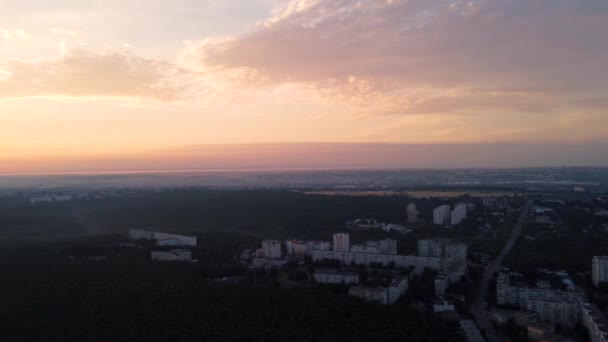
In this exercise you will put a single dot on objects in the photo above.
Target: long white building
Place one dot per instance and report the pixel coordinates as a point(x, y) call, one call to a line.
point(348, 258)
point(441, 215)
point(162, 239)
point(386, 246)
point(332, 276)
point(599, 270)
point(470, 330)
point(370, 294)
point(595, 322)
point(305, 247)
point(172, 255)
point(555, 304)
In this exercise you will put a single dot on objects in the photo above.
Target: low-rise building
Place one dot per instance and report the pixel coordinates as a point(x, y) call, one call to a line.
point(139, 234)
point(396, 289)
point(386, 246)
point(50, 199)
point(268, 263)
point(172, 255)
point(305, 247)
point(595, 322)
point(495, 202)
point(470, 331)
point(523, 318)
point(162, 239)
point(442, 306)
point(364, 249)
point(333, 276)
point(370, 294)
point(165, 239)
point(540, 331)
point(441, 284)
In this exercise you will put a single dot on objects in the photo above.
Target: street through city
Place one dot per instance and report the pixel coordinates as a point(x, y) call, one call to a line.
point(478, 308)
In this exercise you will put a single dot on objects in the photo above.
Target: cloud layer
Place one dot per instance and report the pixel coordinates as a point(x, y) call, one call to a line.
point(82, 73)
point(427, 56)
point(379, 57)
point(152, 74)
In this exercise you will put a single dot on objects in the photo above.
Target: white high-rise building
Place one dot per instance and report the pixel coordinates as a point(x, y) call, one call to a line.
point(412, 213)
point(599, 269)
point(272, 249)
point(441, 214)
point(459, 213)
point(341, 242)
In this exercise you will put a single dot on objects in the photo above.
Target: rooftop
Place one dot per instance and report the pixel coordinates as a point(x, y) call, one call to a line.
point(543, 279)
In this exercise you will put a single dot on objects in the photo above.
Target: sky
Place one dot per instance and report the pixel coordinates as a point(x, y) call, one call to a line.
point(91, 85)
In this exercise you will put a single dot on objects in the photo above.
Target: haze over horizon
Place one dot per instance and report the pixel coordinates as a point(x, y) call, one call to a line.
point(150, 85)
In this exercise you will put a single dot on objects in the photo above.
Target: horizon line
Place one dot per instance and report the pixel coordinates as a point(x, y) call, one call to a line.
point(288, 169)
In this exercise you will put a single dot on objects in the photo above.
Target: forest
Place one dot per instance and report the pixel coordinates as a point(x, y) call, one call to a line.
point(47, 296)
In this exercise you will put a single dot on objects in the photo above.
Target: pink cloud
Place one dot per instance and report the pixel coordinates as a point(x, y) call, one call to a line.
point(519, 55)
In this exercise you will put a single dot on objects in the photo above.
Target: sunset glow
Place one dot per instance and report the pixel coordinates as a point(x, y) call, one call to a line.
point(87, 85)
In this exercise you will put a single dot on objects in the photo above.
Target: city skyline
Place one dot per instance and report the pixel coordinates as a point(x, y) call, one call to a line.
point(303, 84)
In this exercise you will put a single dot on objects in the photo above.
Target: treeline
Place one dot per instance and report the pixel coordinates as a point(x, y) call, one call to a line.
point(273, 213)
point(47, 297)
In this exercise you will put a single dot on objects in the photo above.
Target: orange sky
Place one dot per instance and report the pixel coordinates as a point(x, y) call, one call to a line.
point(75, 88)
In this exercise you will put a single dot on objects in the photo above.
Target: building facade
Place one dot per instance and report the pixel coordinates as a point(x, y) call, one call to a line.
point(595, 322)
point(162, 239)
point(599, 270)
point(412, 213)
point(303, 247)
point(429, 248)
point(459, 213)
point(441, 215)
point(172, 255)
point(349, 258)
point(441, 284)
point(370, 294)
point(332, 276)
point(470, 330)
point(555, 305)
point(272, 249)
point(341, 242)
point(396, 289)
point(453, 253)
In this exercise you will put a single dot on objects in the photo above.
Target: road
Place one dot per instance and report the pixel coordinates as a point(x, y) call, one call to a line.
point(477, 309)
